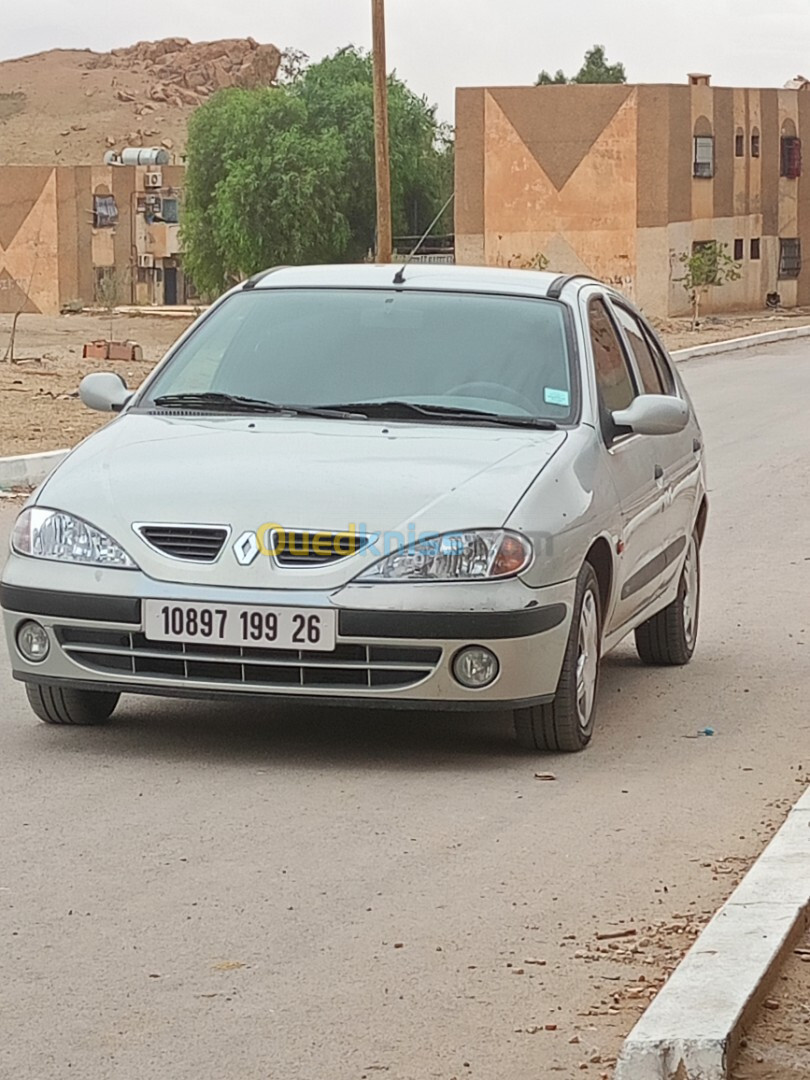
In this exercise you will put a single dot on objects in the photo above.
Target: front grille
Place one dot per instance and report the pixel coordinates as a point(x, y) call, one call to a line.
point(346, 667)
point(192, 543)
point(297, 547)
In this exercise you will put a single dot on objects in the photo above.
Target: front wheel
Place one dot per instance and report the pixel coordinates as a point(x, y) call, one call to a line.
point(566, 724)
point(62, 705)
point(669, 637)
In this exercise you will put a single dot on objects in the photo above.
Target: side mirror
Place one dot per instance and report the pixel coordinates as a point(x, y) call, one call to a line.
point(104, 391)
point(654, 414)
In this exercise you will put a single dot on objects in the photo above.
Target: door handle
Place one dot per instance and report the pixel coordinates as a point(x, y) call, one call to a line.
point(659, 473)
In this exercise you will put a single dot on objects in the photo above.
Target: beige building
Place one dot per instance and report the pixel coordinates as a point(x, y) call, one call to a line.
point(104, 234)
point(619, 181)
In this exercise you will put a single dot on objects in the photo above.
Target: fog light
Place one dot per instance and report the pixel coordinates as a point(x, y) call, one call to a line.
point(475, 667)
point(32, 641)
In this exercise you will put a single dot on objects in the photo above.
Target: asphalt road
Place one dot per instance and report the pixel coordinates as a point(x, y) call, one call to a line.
point(208, 891)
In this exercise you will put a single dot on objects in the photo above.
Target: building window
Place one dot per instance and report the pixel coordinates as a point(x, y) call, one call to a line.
point(756, 249)
point(739, 143)
point(704, 157)
point(791, 157)
point(790, 258)
point(755, 143)
point(105, 211)
point(739, 250)
point(170, 211)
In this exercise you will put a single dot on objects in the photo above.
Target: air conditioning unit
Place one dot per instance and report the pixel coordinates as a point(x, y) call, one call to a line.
point(146, 262)
point(153, 180)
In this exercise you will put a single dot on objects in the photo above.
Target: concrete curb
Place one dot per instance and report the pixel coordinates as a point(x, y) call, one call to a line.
point(714, 348)
point(28, 470)
point(692, 1029)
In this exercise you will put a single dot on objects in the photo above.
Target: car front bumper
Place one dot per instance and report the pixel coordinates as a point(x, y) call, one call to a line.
point(395, 643)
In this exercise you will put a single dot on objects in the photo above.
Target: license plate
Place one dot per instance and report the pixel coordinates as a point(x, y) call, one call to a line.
point(238, 624)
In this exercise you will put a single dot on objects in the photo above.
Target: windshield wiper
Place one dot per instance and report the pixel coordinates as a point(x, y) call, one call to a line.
point(215, 402)
point(397, 410)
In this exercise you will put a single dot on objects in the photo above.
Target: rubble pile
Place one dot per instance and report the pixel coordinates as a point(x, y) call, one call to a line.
point(179, 72)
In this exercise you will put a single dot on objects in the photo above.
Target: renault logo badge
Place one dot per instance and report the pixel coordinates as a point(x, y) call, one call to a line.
point(246, 548)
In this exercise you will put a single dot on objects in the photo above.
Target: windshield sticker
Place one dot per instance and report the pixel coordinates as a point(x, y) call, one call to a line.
point(556, 397)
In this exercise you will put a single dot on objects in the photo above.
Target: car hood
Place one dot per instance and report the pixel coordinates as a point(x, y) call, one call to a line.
point(302, 473)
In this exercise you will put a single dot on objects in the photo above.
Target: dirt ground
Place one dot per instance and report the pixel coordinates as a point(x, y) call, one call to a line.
point(777, 1046)
point(39, 406)
point(678, 333)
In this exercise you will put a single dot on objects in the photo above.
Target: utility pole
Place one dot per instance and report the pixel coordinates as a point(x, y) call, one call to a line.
point(381, 144)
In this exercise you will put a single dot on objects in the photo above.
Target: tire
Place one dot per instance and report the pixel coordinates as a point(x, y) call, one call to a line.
point(566, 724)
point(61, 705)
point(669, 638)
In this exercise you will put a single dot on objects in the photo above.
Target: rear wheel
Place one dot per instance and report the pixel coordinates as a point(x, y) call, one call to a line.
point(61, 705)
point(566, 724)
point(669, 638)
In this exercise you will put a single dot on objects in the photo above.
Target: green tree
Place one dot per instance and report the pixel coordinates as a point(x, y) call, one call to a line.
point(558, 79)
point(286, 174)
point(707, 266)
point(294, 63)
point(595, 69)
point(261, 188)
point(339, 95)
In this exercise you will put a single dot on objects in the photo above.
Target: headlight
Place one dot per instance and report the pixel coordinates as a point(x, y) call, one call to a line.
point(53, 534)
point(462, 556)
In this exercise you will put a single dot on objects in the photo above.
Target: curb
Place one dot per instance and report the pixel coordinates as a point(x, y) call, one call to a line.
point(692, 1029)
point(714, 348)
point(28, 470)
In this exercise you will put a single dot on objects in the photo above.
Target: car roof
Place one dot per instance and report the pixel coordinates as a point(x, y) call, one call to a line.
point(418, 275)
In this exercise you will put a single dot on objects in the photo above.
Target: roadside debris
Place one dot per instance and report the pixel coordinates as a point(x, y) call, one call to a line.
point(544, 776)
point(630, 932)
point(102, 349)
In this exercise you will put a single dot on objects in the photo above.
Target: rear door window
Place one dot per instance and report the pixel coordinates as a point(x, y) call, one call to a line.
point(613, 377)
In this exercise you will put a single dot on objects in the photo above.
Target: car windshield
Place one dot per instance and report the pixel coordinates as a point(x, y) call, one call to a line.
point(344, 348)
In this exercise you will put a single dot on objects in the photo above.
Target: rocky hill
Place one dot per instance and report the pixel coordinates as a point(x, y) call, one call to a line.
point(70, 106)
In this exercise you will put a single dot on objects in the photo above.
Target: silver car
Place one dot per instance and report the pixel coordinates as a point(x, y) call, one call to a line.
point(438, 488)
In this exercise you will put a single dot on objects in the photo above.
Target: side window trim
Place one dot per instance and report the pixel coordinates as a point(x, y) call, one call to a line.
point(662, 358)
point(598, 296)
point(629, 355)
point(627, 352)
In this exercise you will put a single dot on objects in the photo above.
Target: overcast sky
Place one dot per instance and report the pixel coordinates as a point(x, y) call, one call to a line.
point(437, 45)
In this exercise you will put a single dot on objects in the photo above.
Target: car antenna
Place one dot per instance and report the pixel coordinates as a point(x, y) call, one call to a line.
point(399, 276)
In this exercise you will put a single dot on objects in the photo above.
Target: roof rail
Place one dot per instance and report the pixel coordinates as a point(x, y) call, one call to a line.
point(558, 284)
point(252, 282)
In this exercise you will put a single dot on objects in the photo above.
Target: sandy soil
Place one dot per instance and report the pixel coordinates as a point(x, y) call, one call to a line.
point(777, 1047)
point(39, 409)
point(678, 333)
point(39, 127)
point(69, 105)
point(39, 406)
